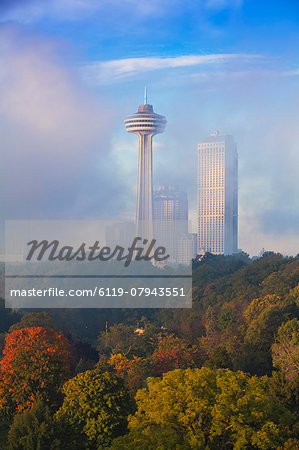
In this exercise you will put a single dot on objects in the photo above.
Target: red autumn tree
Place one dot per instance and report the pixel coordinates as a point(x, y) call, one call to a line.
point(175, 353)
point(36, 363)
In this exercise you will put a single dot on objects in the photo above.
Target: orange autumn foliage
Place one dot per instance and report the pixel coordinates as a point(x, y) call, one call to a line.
point(131, 370)
point(36, 363)
point(258, 305)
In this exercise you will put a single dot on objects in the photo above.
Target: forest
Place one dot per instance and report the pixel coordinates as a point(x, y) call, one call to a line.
point(221, 375)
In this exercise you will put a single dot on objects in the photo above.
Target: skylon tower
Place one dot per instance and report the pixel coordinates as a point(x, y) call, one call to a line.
point(145, 123)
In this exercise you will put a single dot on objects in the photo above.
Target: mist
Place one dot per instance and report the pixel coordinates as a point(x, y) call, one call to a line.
point(55, 135)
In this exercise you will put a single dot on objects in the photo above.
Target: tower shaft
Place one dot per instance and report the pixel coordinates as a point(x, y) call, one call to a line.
point(144, 212)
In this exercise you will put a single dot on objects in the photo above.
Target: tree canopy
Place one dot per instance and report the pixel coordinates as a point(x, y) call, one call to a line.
point(94, 410)
point(206, 408)
point(36, 363)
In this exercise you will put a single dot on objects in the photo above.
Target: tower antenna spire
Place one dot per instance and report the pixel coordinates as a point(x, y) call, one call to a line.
point(145, 95)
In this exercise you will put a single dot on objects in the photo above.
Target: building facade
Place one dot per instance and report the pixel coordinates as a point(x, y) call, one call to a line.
point(186, 248)
point(170, 204)
point(170, 218)
point(218, 195)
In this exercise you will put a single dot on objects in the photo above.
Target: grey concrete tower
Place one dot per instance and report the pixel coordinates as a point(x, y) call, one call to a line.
point(145, 123)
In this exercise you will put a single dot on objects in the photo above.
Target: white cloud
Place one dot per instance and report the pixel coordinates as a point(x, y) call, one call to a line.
point(291, 73)
point(98, 72)
point(54, 133)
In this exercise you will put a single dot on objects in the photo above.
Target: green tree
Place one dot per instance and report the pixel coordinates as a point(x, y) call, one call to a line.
point(285, 351)
point(219, 359)
point(33, 429)
point(40, 319)
point(160, 438)
point(119, 339)
point(261, 334)
point(94, 410)
point(206, 408)
point(122, 339)
point(246, 414)
point(286, 390)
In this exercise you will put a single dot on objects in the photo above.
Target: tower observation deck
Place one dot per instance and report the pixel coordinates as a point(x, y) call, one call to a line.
point(145, 123)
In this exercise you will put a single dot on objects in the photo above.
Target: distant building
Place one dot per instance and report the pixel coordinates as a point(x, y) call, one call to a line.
point(170, 204)
point(186, 248)
point(218, 194)
point(139, 331)
point(170, 214)
point(120, 233)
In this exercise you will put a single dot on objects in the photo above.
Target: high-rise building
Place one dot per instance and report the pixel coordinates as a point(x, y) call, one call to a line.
point(145, 123)
point(218, 194)
point(120, 233)
point(186, 248)
point(170, 214)
point(170, 204)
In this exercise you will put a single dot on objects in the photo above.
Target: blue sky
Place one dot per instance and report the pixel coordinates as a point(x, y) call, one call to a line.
point(71, 70)
point(109, 29)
